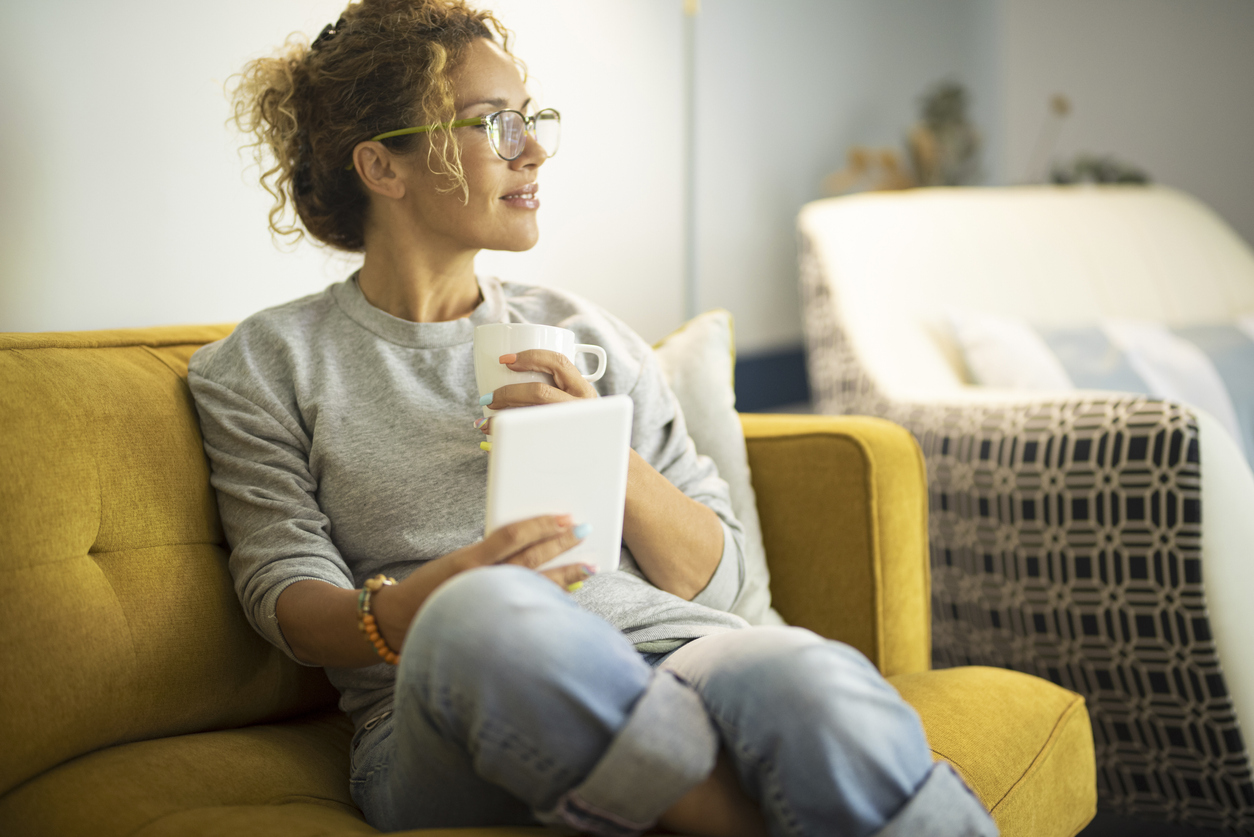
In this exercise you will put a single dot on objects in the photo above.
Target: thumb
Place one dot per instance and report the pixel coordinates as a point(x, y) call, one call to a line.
point(570, 577)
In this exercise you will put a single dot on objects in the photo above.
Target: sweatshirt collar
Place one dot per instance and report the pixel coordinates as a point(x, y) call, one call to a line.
point(353, 303)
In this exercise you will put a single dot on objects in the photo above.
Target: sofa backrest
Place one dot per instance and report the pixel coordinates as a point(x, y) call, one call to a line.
point(896, 261)
point(118, 619)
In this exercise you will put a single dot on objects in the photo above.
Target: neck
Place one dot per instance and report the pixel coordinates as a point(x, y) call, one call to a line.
point(417, 280)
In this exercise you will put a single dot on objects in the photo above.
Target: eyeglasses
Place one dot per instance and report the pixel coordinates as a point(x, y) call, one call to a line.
point(507, 131)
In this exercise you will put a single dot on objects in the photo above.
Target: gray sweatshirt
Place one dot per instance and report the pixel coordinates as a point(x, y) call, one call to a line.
point(342, 446)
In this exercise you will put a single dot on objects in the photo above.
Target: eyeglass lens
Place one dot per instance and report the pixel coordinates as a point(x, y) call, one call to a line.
point(509, 132)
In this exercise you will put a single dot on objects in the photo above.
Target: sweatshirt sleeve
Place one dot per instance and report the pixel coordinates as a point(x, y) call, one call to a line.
point(660, 436)
point(259, 457)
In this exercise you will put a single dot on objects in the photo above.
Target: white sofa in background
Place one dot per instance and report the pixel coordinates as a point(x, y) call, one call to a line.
point(1103, 540)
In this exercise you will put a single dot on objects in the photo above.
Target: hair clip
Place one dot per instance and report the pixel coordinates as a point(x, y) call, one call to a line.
point(328, 32)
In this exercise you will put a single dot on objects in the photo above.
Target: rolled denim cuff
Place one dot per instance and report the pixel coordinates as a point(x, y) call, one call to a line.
point(666, 748)
point(943, 806)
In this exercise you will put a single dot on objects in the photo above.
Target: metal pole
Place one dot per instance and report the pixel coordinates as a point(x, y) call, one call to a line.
point(692, 301)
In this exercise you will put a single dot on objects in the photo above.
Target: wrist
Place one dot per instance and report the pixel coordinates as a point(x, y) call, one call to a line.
point(455, 563)
point(388, 606)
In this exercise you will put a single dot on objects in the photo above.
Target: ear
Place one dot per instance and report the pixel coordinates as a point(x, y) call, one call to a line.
point(376, 166)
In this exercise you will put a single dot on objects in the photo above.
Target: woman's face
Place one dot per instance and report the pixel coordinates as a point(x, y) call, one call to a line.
point(501, 211)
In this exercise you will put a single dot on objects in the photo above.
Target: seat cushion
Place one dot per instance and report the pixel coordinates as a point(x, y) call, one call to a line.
point(277, 780)
point(1022, 744)
point(298, 770)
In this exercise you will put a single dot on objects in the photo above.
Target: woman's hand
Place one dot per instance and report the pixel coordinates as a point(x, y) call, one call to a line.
point(319, 620)
point(568, 382)
point(526, 543)
point(529, 543)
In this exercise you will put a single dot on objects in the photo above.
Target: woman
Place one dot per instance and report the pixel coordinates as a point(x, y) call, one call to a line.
point(344, 448)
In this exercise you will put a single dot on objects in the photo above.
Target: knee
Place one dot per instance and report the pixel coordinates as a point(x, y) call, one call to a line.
point(506, 626)
point(476, 612)
point(497, 638)
point(807, 684)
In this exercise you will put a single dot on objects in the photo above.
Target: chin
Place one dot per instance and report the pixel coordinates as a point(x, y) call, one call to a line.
point(522, 247)
point(515, 242)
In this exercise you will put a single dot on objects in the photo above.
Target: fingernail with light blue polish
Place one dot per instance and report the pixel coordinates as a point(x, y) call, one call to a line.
point(583, 530)
point(486, 399)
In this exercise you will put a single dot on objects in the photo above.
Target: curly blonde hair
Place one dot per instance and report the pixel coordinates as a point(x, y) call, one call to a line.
point(385, 64)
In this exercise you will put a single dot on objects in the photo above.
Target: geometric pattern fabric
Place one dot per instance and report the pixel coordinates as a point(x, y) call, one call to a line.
point(1065, 541)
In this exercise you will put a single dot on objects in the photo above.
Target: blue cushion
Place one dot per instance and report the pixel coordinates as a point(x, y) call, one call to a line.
point(1093, 361)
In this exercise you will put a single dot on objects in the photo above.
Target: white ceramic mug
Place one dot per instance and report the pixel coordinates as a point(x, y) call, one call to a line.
point(496, 339)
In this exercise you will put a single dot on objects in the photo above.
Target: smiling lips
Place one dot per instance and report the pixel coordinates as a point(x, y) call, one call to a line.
point(524, 198)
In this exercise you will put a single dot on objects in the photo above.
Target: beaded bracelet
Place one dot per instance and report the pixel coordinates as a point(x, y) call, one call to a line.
point(365, 619)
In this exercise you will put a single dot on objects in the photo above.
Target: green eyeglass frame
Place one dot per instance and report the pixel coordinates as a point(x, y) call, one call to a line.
point(503, 131)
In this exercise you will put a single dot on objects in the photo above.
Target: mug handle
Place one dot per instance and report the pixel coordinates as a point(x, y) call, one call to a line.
point(601, 362)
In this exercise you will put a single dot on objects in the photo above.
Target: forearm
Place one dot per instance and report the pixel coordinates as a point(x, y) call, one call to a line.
point(319, 620)
point(677, 541)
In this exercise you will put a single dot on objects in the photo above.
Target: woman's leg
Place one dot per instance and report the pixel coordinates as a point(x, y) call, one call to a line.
point(821, 740)
point(514, 705)
point(718, 807)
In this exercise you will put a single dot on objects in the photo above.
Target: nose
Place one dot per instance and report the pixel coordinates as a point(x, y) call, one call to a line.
point(532, 156)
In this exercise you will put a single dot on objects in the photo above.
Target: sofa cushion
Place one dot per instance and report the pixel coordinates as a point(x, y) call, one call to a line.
point(1205, 365)
point(1021, 743)
point(119, 618)
point(134, 788)
point(278, 780)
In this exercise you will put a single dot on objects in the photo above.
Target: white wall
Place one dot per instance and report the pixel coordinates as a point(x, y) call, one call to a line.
point(611, 221)
point(124, 202)
point(784, 88)
point(1164, 84)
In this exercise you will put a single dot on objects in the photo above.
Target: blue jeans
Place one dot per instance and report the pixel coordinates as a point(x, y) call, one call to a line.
point(514, 706)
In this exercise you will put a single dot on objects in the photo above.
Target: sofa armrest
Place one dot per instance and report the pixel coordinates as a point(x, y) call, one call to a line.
point(843, 505)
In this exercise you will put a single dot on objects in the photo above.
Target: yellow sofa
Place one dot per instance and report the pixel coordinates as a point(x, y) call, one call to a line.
point(136, 700)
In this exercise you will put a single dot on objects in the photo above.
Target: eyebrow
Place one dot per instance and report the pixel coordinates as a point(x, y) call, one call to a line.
point(498, 103)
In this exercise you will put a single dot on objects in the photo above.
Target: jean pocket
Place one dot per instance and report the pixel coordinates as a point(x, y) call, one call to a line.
point(367, 749)
point(368, 787)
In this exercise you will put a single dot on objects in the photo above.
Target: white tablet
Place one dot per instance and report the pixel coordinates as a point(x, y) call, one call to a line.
point(569, 458)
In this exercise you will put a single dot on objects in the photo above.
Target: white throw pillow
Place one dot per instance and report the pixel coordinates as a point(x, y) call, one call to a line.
point(698, 361)
point(1006, 352)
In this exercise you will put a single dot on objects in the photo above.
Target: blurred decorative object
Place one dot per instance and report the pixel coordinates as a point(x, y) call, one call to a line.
point(1059, 110)
point(1083, 168)
point(943, 148)
point(873, 169)
point(1089, 168)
